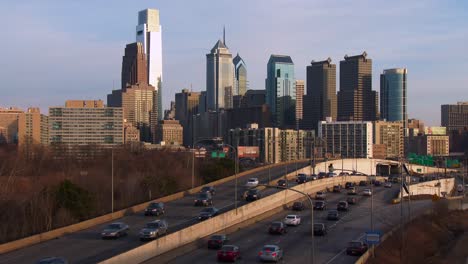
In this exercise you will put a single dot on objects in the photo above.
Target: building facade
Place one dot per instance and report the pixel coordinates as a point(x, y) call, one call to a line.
point(390, 135)
point(281, 91)
point(455, 116)
point(393, 106)
point(219, 77)
point(33, 128)
point(134, 65)
point(186, 105)
point(299, 100)
point(347, 139)
point(429, 145)
point(356, 100)
point(240, 76)
point(9, 125)
point(320, 101)
point(170, 132)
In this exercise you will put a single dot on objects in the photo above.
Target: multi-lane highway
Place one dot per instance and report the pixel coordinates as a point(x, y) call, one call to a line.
point(87, 246)
point(297, 242)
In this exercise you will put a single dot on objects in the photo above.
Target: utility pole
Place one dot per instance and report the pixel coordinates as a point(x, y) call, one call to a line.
point(401, 215)
point(193, 168)
point(112, 181)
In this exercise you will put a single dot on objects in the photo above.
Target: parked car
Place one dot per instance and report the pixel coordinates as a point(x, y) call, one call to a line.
point(217, 241)
point(320, 229)
point(377, 183)
point(208, 213)
point(336, 188)
point(155, 209)
point(322, 175)
point(314, 177)
point(356, 247)
point(343, 173)
point(367, 192)
point(115, 230)
point(209, 189)
point(282, 183)
point(204, 199)
point(351, 200)
point(352, 191)
point(252, 182)
point(298, 206)
point(302, 178)
point(349, 185)
point(52, 260)
point(277, 228)
point(388, 185)
point(362, 183)
point(270, 253)
point(292, 220)
point(342, 206)
point(320, 205)
point(331, 174)
point(153, 230)
point(333, 215)
point(229, 253)
point(320, 196)
point(252, 195)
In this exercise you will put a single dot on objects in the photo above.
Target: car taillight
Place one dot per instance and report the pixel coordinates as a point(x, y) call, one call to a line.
point(274, 254)
point(260, 253)
point(219, 241)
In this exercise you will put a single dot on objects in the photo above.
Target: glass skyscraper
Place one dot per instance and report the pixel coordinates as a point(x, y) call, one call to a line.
point(219, 77)
point(393, 105)
point(281, 90)
point(240, 75)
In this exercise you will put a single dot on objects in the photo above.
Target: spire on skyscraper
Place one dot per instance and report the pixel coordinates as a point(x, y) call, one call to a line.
point(224, 35)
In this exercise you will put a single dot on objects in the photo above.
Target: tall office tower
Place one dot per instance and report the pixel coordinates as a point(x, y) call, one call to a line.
point(219, 76)
point(148, 32)
point(299, 100)
point(137, 104)
point(186, 105)
point(455, 116)
point(240, 76)
point(320, 101)
point(32, 127)
point(281, 91)
point(393, 105)
point(134, 65)
point(356, 100)
point(203, 104)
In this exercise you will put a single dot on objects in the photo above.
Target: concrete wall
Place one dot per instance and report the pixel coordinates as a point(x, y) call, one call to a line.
point(225, 220)
point(436, 187)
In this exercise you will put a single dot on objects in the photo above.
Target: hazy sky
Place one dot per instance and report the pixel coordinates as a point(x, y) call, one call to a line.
point(58, 50)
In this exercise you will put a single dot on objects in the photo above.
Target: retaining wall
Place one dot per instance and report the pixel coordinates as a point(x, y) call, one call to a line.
point(437, 187)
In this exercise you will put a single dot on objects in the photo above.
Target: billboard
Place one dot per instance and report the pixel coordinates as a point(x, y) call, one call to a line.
point(248, 152)
point(442, 131)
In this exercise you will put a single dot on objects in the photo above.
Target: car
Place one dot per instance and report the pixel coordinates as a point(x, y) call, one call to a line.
point(320, 229)
point(270, 253)
point(352, 191)
point(342, 206)
point(314, 177)
point(343, 173)
point(367, 192)
point(331, 174)
point(320, 205)
point(298, 206)
point(322, 175)
point(115, 230)
point(252, 182)
point(320, 196)
point(460, 188)
point(209, 189)
point(229, 253)
point(155, 209)
point(277, 228)
point(217, 241)
point(204, 199)
point(336, 188)
point(292, 220)
point(52, 260)
point(393, 179)
point(362, 183)
point(351, 200)
point(302, 178)
point(377, 183)
point(282, 183)
point(388, 185)
point(252, 195)
point(153, 230)
point(356, 247)
point(208, 213)
point(349, 185)
point(333, 215)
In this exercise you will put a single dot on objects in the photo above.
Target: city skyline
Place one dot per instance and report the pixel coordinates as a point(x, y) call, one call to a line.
point(424, 47)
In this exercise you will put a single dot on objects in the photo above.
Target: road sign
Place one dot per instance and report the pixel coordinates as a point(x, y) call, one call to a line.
point(373, 237)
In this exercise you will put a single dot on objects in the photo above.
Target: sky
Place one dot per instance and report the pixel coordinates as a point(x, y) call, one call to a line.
point(54, 50)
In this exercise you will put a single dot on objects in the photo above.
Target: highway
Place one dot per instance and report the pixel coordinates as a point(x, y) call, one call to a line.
point(86, 246)
point(297, 242)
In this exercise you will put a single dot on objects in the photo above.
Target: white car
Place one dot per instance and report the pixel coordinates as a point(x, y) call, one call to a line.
point(367, 192)
point(252, 182)
point(388, 185)
point(292, 220)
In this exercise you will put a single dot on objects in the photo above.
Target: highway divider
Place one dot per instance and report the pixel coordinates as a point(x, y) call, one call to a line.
point(53, 234)
point(225, 220)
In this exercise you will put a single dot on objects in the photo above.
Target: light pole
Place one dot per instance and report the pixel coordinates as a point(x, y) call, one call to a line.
point(236, 168)
point(112, 181)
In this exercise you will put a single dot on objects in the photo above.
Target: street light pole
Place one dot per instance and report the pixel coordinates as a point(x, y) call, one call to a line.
point(112, 181)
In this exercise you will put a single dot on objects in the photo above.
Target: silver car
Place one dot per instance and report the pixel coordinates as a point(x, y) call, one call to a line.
point(270, 253)
point(115, 230)
point(153, 230)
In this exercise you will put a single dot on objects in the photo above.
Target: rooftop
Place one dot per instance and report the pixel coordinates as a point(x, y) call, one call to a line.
point(280, 59)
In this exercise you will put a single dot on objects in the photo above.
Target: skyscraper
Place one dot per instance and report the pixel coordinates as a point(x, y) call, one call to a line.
point(320, 101)
point(281, 90)
point(134, 65)
point(219, 77)
point(186, 105)
point(356, 100)
point(393, 96)
point(455, 116)
point(240, 76)
point(299, 100)
point(148, 32)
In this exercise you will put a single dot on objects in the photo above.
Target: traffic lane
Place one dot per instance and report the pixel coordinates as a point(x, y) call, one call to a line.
point(251, 244)
point(180, 213)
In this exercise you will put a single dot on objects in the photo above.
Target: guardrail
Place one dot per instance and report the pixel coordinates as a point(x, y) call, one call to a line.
point(45, 236)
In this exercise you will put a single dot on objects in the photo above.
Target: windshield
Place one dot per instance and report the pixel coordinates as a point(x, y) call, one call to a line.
point(291, 217)
point(297, 204)
point(319, 203)
point(208, 210)
point(228, 248)
point(319, 193)
point(114, 226)
point(217, 237)
point(203, 196)
point(276, 224)
point(252, 180)
point(252, 192)
point(355, 244)
point(154, 205)
point(318, 226)
point(153, 225)
point(332, 212)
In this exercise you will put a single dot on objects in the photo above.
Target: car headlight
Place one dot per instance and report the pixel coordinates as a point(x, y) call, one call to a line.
point(153, 232)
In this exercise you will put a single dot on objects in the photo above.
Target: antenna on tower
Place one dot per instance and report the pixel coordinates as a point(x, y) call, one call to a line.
point(224, 34)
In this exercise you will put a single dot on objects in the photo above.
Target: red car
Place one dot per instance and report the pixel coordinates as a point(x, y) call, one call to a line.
point(229, 253)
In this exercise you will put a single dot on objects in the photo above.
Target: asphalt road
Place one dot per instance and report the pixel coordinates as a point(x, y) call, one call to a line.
point(86, 246)
point(297, 242)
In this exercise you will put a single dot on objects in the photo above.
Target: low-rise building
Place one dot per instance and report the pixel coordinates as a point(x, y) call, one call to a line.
point(9, 122)
point(434, 145)
point(170, 132)
point(391, 135)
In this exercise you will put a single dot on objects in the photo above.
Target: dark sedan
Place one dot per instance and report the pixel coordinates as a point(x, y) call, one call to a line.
point(277, 228)
point(217, 241)
point(208, 213)
point(320, 205)
point(356, 248)
point(320, 229)
point(298, 206)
